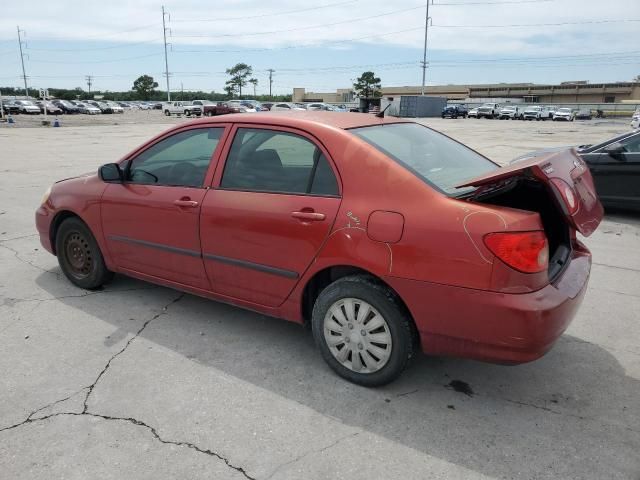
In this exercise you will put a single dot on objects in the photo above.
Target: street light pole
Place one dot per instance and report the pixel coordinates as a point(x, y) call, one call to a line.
point(166, 61)
point(24, 75)
point(424, 54)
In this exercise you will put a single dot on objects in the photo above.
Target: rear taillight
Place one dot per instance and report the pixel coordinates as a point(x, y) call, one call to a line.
point(567, 194)
point(526, 252)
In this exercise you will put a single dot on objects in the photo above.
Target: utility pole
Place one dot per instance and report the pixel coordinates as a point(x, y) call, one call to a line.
point(271, 70)
point(166, 61)
point(424, 55)
point(89, 79)
point(24, 75)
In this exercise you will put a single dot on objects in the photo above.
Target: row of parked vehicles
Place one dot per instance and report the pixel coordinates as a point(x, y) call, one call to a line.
point(210, 108)
point(89, 107)
point(516, 112)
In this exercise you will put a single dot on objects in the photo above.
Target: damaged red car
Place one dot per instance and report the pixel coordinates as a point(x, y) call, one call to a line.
point(383, 235)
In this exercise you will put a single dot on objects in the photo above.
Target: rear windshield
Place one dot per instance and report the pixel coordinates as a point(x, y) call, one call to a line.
point(434, 158)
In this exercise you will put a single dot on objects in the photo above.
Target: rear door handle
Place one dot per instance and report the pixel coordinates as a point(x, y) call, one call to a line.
point(185, 203)
point(309, 216)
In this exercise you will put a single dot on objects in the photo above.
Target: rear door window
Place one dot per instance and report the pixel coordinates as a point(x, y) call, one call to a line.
point(278, 162)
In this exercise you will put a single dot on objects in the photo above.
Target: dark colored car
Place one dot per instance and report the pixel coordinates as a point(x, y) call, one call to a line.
point(615, 167)
point(66, 106)
point(455, 111)
point(584, 115)
point(220, 108)
point(10, 107)
point(267, 105)
point(319, 218)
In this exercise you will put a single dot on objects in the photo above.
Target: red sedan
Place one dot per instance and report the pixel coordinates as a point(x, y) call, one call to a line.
point(382, 234)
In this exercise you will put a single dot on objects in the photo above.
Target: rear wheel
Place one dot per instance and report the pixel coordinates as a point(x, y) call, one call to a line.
point(362, 331)
point(79, 255)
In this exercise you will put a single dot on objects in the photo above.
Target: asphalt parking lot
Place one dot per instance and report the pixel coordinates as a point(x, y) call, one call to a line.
point(139, 381)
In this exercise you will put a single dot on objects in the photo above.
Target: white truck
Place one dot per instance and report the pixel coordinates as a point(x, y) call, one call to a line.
point(181, 108)
point(488, 110)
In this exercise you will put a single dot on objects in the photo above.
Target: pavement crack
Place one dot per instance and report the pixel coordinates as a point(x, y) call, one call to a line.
point(306, 454)
point(126, 345)
point(139, 423)
point(18, 238)
point(23, 260)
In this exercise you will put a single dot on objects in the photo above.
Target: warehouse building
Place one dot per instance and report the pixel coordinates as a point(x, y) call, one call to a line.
point(565, 92)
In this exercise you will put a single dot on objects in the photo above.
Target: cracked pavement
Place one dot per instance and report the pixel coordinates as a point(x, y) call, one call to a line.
point(139, 381)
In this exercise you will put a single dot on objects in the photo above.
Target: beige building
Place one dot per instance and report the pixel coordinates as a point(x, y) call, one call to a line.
point(566, 92)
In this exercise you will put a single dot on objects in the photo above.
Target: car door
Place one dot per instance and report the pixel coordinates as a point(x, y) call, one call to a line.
point(272, 207)
point(151, 220)
point(617, 175)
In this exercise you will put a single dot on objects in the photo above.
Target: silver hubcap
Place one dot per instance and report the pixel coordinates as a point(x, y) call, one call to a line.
point(357, 335)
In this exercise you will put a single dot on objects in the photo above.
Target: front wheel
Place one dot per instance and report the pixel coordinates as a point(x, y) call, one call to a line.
point(362, 331)
point(79, 255)
point(167, 113)
point(187, 113)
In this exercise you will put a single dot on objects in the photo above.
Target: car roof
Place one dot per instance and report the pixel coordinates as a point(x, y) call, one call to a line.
point(306, 118)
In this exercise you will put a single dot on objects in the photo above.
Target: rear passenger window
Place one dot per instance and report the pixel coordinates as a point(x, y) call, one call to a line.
point(279, 162)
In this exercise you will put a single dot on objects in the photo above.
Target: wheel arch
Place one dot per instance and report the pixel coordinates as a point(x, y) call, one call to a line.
point(60, 217)
point(326, 276)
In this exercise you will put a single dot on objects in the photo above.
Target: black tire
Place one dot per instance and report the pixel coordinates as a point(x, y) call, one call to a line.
point(397, 320)
point(167, 113)
point(187, 113)
point(86, 269)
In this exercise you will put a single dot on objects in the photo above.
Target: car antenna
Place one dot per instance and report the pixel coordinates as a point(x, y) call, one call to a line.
point(381, 114)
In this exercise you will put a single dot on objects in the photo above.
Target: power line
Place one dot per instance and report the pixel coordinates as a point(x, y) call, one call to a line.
point(113, 60)
point(497, 2)
point(585, 22)
point(264, 15)
point(352, 20)
point(123, 45)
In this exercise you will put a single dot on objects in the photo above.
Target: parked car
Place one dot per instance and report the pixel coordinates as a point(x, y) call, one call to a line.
point(285, 107)
point(535, 112)
point(182, 108)
point(115, 107)
point(550, 111)
point(454, 111)
point(509, 112)
point(267, 105)
point(105, 107)
point(88, 109)
point(614, 165)
point(221, 108)
point(488, 110)
point(66, 106)
point(243, 106)
point(289, 221)
point(144, 106)
point(473, 113)
point(10, 107)
point(28, 107)
point(583, 115)
point(565, 114)
point(51, 108)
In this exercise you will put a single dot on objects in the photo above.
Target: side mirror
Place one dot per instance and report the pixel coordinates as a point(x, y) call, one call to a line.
point(615, 150)
point(111, 172)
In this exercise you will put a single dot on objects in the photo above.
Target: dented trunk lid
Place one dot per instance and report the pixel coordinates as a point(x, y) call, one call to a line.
point(565, 175)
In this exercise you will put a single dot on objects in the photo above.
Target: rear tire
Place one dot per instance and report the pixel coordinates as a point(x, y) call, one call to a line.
point(362, 331)
point(79, 255)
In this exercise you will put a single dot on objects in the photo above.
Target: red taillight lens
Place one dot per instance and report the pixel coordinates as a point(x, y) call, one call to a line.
point(526, 252)
point(567, 194)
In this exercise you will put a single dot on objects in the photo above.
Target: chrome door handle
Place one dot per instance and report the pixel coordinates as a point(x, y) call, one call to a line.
point(309, 216)
point(185, 203)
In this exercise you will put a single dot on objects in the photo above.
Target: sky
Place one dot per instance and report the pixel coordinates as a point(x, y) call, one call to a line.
point(319, 45)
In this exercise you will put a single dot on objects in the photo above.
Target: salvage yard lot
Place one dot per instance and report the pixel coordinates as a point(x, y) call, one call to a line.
point(139, 381)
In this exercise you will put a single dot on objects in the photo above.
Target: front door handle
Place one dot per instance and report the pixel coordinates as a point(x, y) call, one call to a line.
point(184, 202)
point(309, 216)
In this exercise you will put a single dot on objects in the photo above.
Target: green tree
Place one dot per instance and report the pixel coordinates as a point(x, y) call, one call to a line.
point(254, 82)
point(239, 74)
point(368, 85)
point(144, 86)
